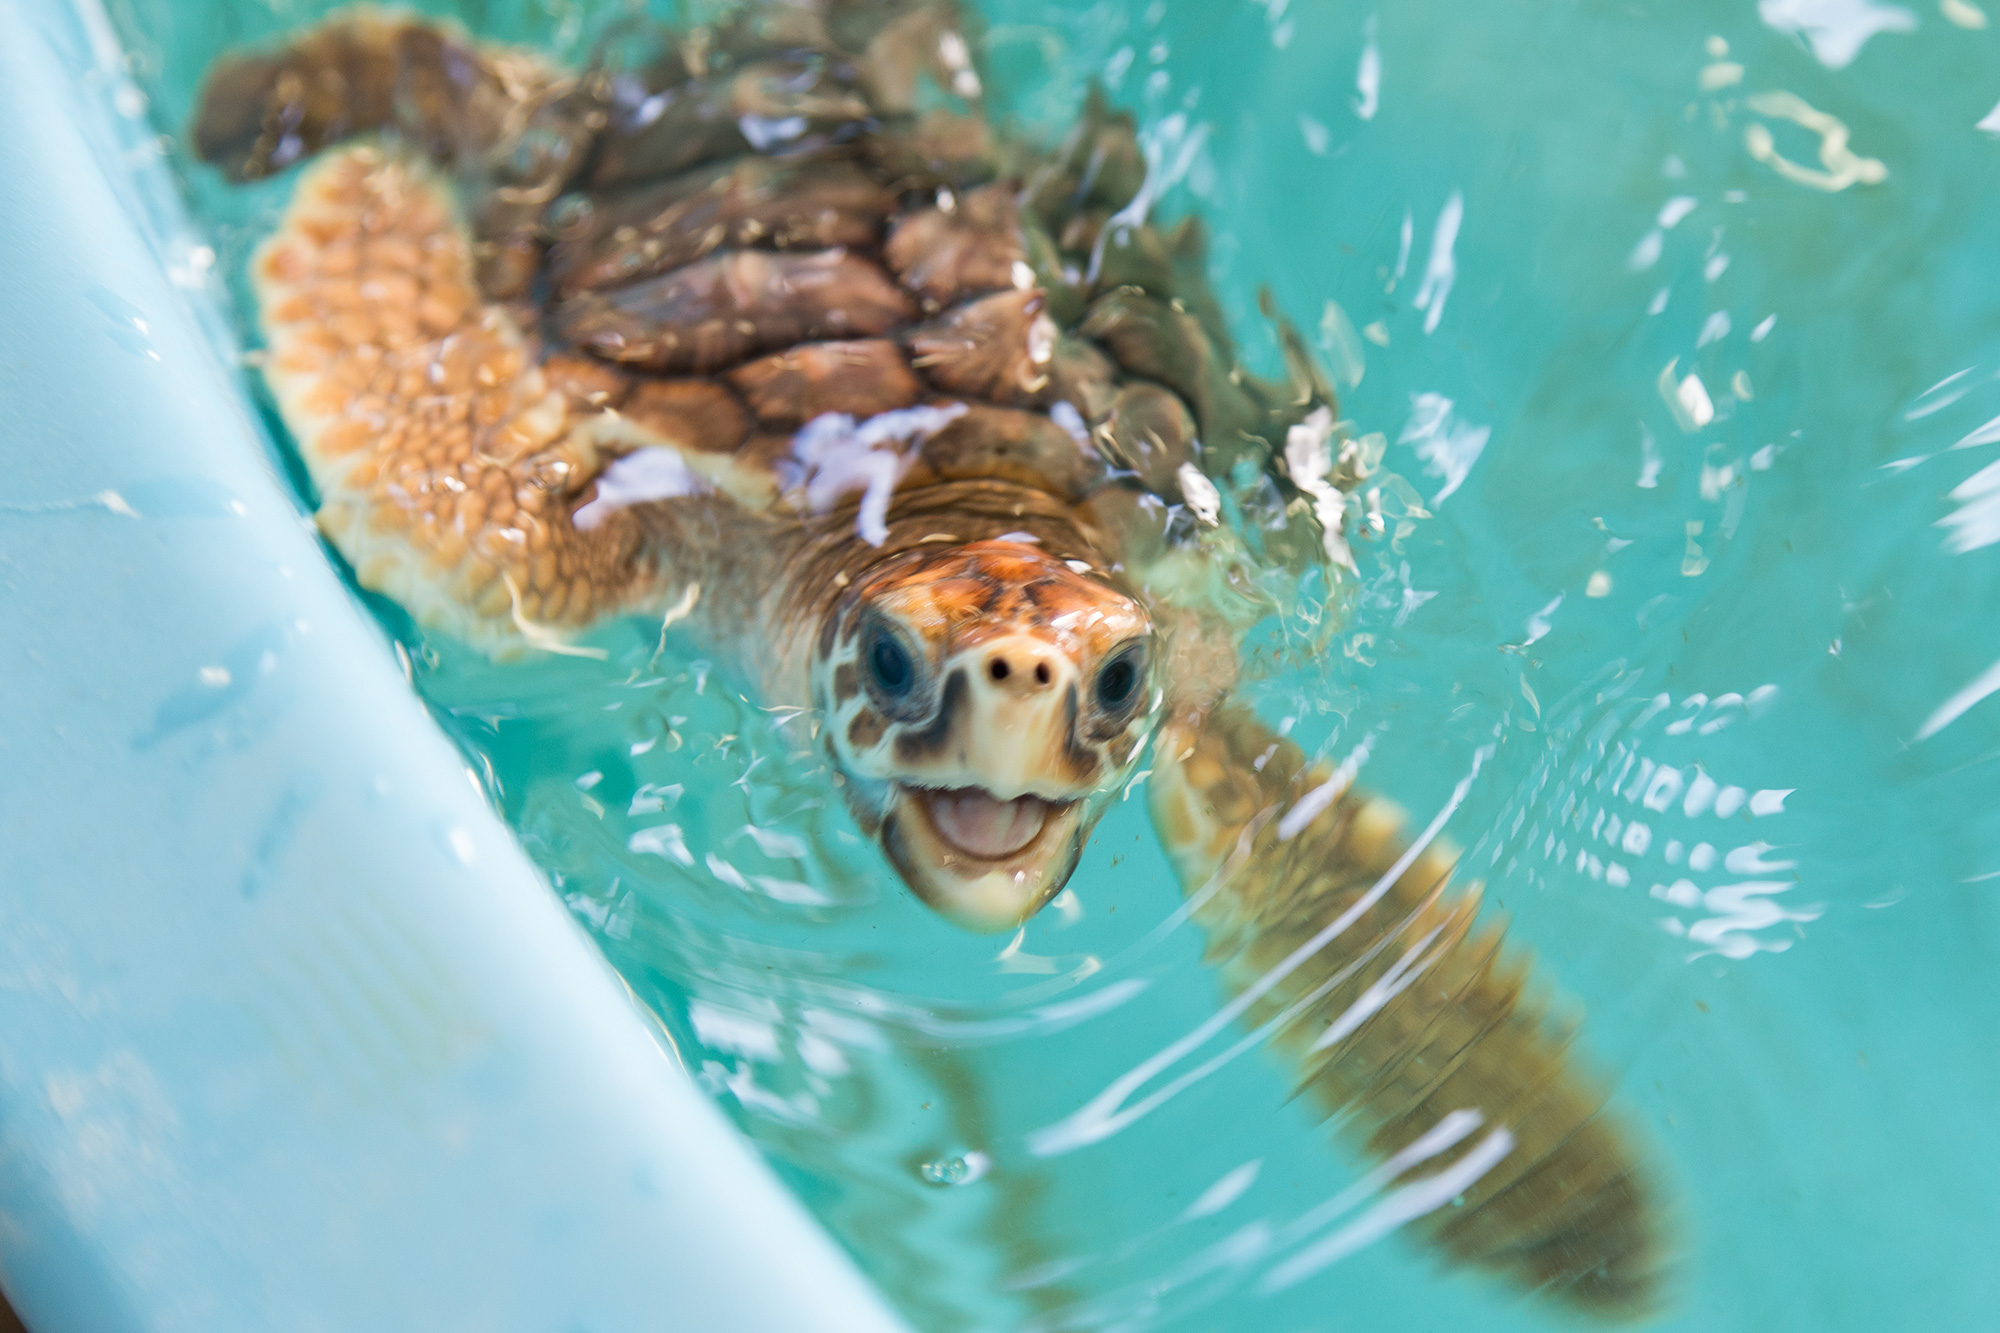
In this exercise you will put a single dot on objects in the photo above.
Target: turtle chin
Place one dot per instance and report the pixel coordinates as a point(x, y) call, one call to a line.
point(984, 863)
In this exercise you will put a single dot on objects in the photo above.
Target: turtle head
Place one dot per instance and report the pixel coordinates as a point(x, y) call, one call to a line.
point(982, 703)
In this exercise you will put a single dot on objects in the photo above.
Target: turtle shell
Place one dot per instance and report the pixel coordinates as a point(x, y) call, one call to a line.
point(732, 249)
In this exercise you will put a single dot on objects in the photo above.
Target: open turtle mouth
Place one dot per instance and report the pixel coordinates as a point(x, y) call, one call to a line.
point(986, 862)
point(977, 824)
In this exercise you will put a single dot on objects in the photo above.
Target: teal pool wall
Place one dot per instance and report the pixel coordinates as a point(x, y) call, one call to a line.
point(291, 1035)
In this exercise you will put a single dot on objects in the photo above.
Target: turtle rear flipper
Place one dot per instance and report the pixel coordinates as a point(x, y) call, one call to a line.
point(355, 74)
point(1405, 1023)
point(517, 128)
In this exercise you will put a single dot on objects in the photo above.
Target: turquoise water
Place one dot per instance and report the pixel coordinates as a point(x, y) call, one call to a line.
point(1702, 569)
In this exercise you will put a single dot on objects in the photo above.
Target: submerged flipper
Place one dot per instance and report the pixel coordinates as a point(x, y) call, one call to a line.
point(353, 74)
point(1406, 1024)
point(503, 119)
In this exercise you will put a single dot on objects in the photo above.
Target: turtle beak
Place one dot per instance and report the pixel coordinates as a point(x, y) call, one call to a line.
point(985, 863)
point(992, 799)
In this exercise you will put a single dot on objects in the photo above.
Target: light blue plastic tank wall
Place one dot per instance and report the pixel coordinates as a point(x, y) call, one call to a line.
point(291, 1036)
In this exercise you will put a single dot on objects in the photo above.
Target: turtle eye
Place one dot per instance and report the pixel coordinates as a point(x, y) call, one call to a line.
point(890, 665)
point(1118, 682)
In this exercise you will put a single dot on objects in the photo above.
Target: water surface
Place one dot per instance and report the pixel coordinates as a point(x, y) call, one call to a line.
point(1681, 322)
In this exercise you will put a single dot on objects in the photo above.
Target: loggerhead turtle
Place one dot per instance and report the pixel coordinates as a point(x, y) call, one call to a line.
point(943, 440)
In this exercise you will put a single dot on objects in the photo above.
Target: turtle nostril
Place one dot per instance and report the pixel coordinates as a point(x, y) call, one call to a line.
point(1021, 669)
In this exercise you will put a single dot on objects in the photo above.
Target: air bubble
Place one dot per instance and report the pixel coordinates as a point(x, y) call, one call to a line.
point(957, 1170)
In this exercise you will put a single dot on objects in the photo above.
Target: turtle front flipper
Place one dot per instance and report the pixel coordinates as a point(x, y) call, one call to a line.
point(1405, 1022)
point(498, 497)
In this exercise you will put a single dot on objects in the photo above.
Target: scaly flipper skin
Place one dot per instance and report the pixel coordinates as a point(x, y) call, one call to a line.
point(450, 466)
point(931, 432)
point(1398, 1014)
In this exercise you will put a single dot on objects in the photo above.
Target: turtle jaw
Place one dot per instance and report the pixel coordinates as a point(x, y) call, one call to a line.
point(983, 863)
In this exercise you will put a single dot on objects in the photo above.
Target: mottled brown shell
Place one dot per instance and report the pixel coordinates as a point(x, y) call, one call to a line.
point(757, 229)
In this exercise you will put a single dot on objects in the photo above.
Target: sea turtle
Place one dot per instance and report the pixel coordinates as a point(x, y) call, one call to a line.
point(941, 438)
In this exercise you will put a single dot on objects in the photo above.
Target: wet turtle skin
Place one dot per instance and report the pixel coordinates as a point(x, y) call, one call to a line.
point(508, 300)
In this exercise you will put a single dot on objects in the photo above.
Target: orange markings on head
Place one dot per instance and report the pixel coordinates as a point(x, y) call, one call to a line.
point(961, 596)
